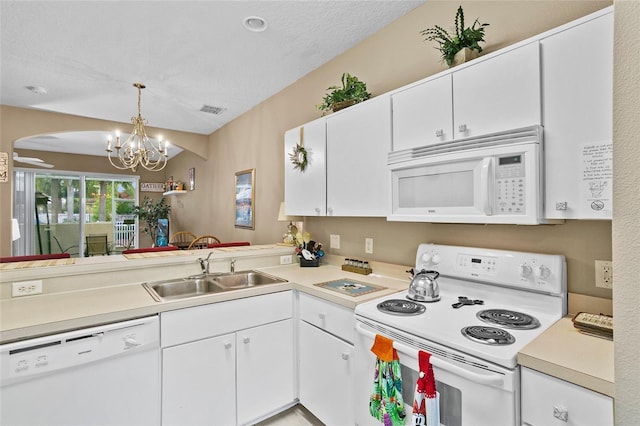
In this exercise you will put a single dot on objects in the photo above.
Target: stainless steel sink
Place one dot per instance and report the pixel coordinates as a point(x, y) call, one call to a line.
point(244, 279)
point(182, 288)
point(199, 285)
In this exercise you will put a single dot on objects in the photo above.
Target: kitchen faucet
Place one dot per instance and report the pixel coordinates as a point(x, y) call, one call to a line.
point(204, 263)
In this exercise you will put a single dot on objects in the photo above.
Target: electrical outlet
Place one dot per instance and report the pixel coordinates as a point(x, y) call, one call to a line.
point(604, 274)
point(286, 259)
point(368, 245)
point(334, 241)
point(26, 288)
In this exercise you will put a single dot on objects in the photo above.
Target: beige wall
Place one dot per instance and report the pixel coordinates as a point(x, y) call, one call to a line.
point(626, 223)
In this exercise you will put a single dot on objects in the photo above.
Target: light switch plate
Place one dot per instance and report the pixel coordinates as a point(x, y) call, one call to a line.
point(334, 241)
point(368, 245)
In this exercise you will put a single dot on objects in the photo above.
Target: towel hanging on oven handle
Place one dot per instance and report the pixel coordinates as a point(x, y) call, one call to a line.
point(492, 380)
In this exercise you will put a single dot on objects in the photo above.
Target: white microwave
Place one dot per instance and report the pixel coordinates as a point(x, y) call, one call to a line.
point(496, 178)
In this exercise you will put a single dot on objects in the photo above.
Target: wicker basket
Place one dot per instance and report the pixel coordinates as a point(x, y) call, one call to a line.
point(342, 105)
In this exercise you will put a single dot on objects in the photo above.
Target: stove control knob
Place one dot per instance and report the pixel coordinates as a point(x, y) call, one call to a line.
point(426, 257)
point(525, 270)
point(542, 272)
point(435, 259)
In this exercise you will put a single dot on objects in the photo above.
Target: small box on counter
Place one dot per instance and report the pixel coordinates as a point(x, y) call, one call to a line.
point(304, 263)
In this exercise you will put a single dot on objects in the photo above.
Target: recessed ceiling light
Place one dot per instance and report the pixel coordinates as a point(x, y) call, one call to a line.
point(254, 23)
point(37, 90)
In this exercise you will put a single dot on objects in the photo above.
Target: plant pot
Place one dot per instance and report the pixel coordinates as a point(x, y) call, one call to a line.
point(464, 55)
point(342, 105)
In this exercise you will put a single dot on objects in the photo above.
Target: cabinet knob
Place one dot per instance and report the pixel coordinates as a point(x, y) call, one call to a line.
point(246, 340)
point(439, 133)
point(322, 316)
point(560, 413)
point(227, 345)
point(330, 211)
point(345, 356)
point(462, 128)
point(318, 211)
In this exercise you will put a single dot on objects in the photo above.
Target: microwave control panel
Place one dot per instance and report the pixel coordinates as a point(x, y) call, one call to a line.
point(510, 185)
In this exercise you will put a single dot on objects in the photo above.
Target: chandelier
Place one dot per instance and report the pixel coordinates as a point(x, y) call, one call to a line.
point(138, 149)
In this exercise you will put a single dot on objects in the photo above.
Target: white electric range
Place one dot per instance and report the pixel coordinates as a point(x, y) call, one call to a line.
point(504, 299)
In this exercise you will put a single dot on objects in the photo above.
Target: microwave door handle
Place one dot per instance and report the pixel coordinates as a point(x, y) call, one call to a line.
point(485, 193)
point(493, 380)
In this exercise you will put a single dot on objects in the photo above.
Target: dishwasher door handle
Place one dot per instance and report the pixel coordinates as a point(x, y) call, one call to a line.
point(494, 379)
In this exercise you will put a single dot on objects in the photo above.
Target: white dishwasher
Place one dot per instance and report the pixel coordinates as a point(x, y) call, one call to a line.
point(106, 375)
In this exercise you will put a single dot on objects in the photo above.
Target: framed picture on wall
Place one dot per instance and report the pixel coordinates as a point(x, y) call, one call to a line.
point(245, 199)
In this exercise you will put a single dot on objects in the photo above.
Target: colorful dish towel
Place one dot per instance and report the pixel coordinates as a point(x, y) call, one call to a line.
point(386, 403)
point(426, 402)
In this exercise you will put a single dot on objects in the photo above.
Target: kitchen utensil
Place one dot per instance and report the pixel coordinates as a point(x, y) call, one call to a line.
point(424, 287)
point(462, 300)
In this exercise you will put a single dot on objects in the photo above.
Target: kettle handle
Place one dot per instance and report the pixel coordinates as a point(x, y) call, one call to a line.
point(432, 274)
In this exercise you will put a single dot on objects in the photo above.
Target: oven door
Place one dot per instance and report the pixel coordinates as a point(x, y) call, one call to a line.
point(472, 391)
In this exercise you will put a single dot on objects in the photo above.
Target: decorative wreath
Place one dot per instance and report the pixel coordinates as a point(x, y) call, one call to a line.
point(299, 158)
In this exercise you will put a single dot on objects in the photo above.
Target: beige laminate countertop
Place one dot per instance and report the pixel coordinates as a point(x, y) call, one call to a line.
point(31, 316)
point(563, 352)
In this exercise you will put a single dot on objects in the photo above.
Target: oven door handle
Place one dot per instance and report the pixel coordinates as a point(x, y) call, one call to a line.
point(492, 380)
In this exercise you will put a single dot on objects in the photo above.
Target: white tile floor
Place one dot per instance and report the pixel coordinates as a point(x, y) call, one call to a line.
point(294, 416)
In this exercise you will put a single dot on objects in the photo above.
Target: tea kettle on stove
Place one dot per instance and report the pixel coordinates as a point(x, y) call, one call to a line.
point(424, 287)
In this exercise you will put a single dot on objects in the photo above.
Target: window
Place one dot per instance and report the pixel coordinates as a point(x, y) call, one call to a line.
point(57, 210)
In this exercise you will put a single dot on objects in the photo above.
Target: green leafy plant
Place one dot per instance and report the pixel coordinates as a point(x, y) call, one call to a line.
point(352, 92)
point(449, 45)
point(149, 212)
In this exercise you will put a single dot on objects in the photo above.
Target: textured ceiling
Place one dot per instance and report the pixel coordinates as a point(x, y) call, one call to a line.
point(87, 54)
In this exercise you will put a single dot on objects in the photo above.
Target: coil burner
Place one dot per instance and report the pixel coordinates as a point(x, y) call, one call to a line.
point(488, 335)
point(401, 307)
point(508, 319)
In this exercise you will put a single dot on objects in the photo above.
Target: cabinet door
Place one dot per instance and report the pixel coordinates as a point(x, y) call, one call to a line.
point(423, 114)
point(198, 382)
point(577, 75)
point(358, 142)
point(325, 376)
point(500, 93)
point(546, 401)
point(265, 369)
point(305, 192)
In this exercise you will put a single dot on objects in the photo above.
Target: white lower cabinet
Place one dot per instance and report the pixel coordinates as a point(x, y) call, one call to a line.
point(548, 401)
point(198, 382)
point(228, 363)
point(325, 374)
point(265, 369)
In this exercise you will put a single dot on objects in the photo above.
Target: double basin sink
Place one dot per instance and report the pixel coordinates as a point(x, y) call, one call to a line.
point(199, 285)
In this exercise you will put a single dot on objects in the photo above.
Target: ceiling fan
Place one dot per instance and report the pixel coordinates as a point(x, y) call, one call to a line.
point(31, 160)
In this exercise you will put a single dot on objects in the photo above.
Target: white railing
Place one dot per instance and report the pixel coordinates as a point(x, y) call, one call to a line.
point(123, 234)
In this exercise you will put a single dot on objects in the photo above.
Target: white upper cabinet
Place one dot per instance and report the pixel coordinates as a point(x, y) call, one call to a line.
point(358, 141)
point(577, 82)
point(487, 96)
point(305, 191)
point(498, 93)
point(423, 114)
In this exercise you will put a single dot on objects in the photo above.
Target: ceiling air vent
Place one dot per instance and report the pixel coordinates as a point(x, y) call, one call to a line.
point(211, 109)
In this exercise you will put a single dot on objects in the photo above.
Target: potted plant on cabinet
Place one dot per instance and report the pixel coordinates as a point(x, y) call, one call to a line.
point(461, 46)
point(151, 214)
point(352, 92)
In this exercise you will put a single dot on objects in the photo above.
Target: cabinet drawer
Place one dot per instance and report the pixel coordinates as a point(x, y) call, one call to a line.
point(200, 322)
point(546, 399)
point(328, 316)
